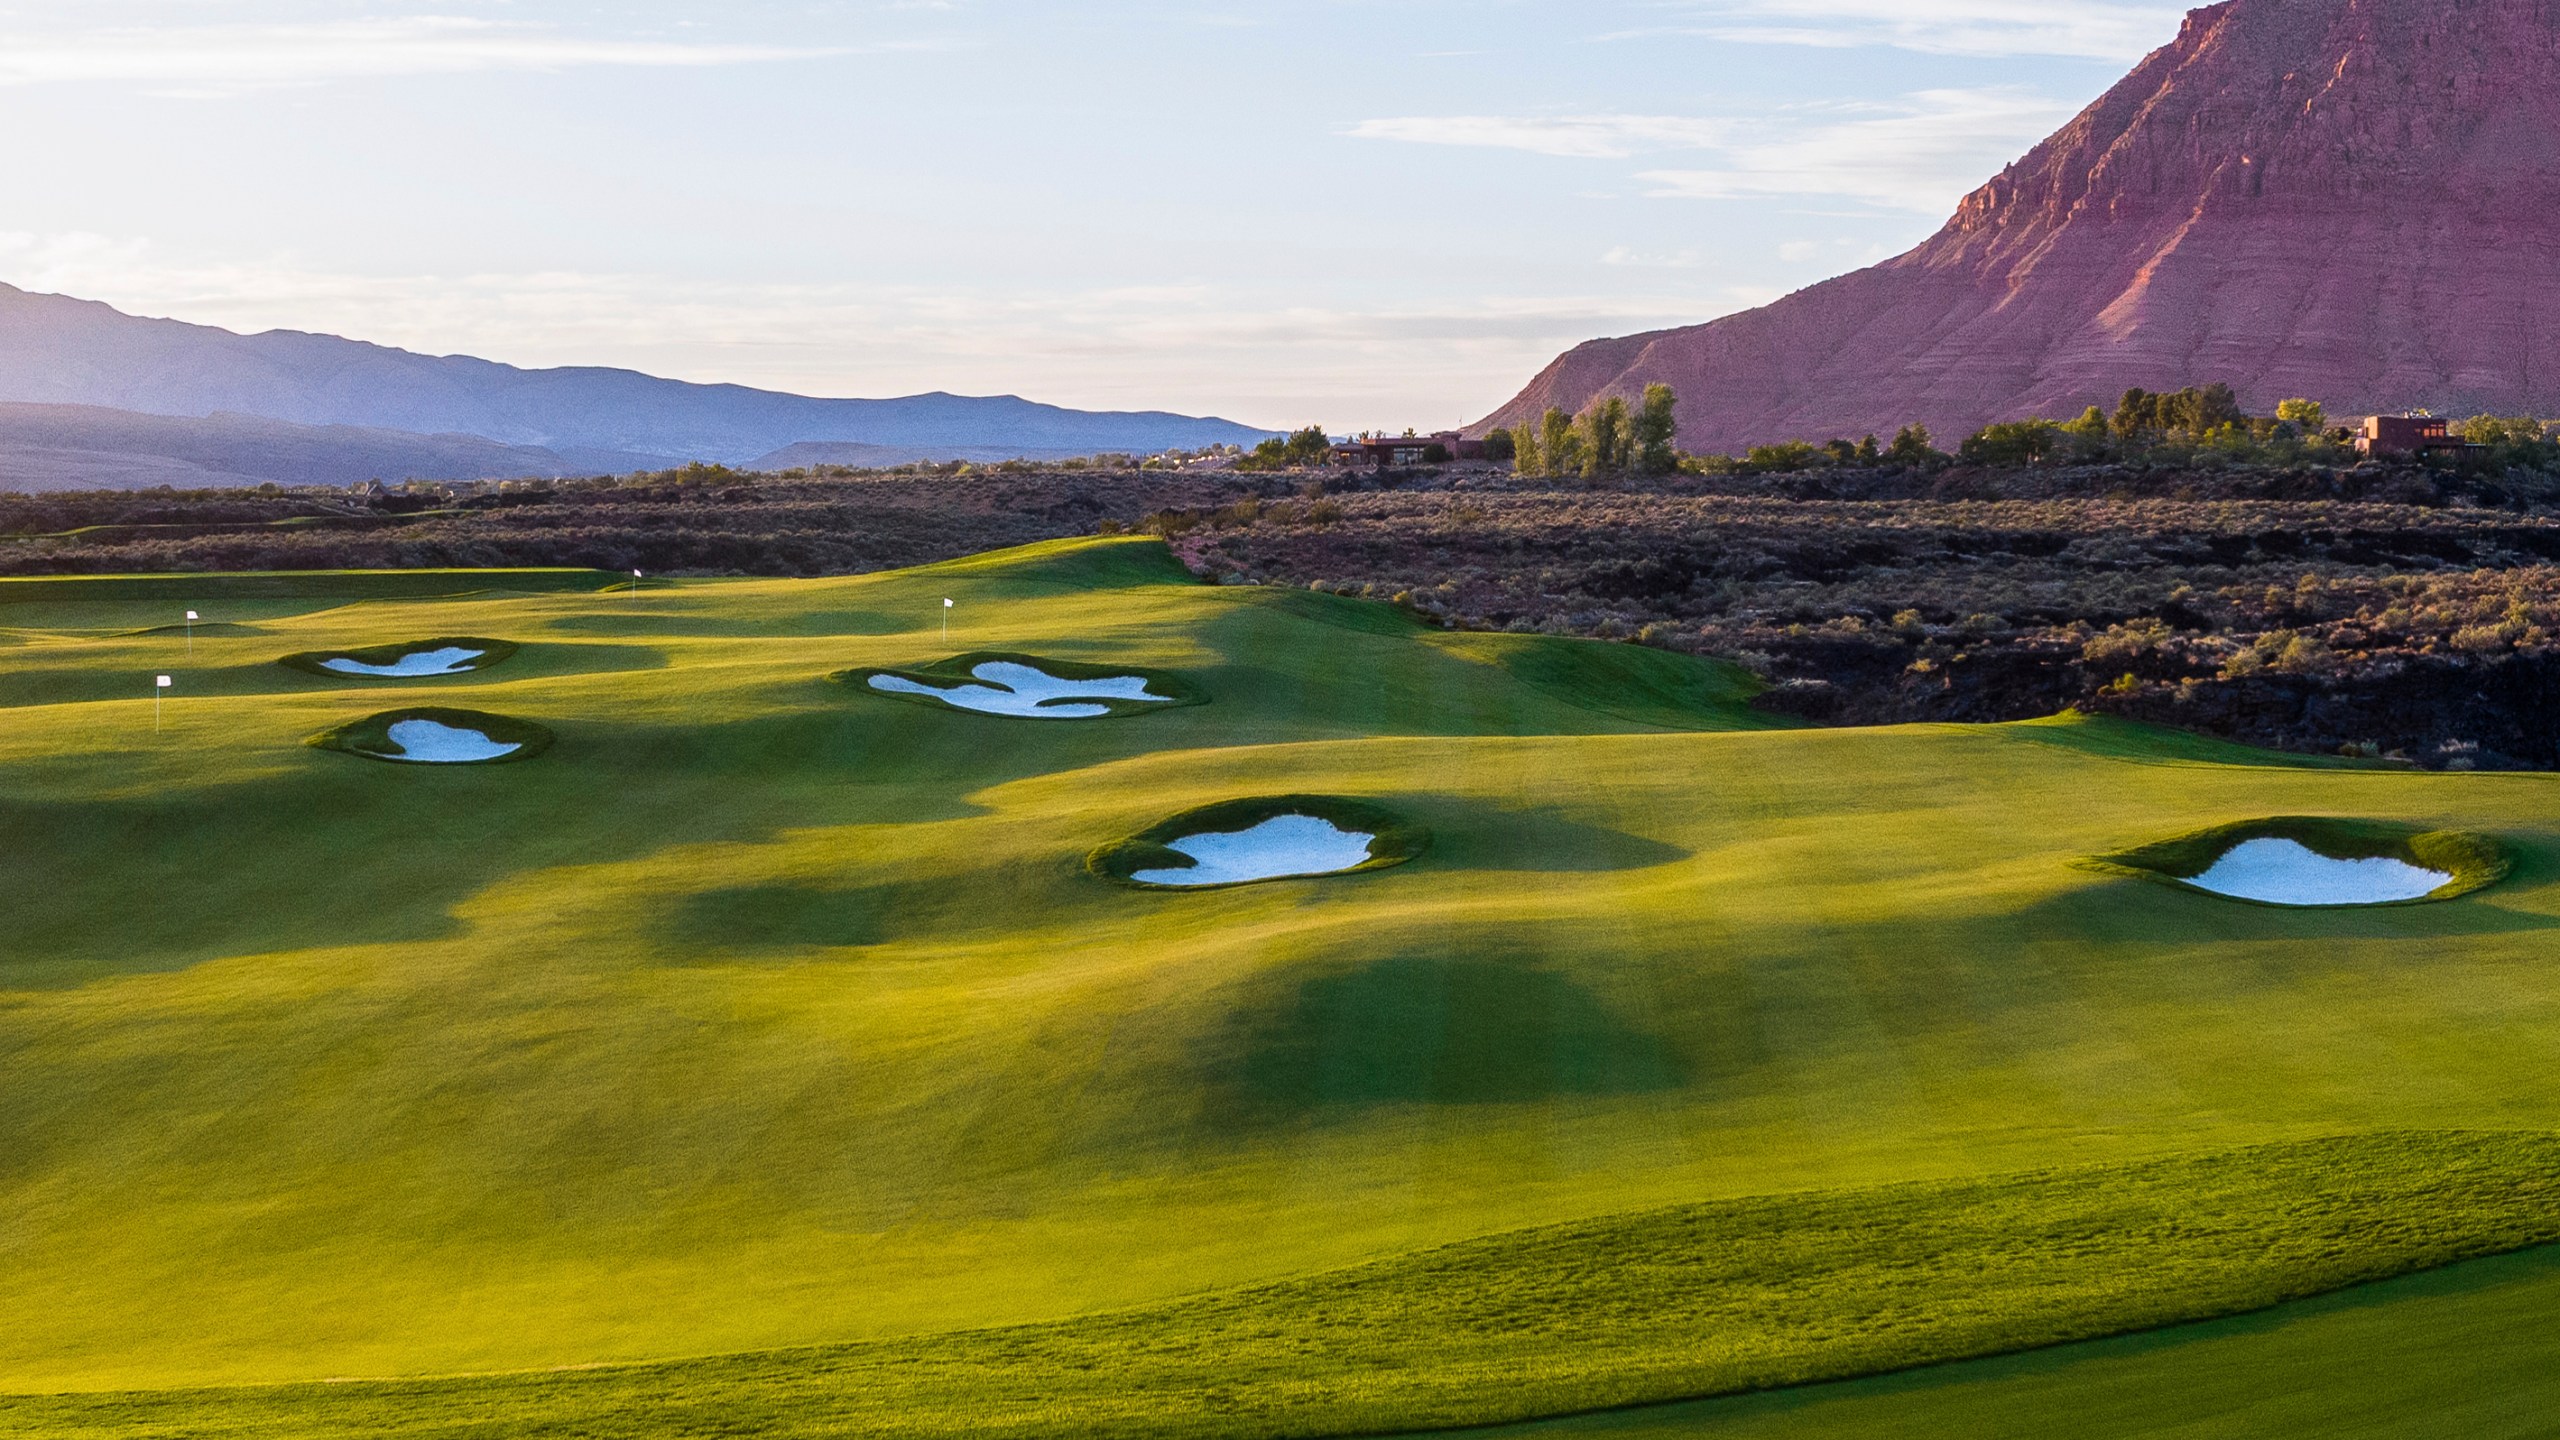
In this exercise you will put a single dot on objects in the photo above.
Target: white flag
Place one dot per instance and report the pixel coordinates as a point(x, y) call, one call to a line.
point(164, 682)
point(947, 604)
point(191, 614)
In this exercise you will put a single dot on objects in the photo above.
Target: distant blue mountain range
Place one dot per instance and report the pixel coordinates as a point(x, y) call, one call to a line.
point(56, 350)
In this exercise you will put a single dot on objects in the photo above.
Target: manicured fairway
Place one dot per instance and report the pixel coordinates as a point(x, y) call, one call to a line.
point(758, 1013)
point(2468, 1351)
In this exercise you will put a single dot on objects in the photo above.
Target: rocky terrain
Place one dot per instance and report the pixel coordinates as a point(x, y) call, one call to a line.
point(2381, 609)
point(2353, 201)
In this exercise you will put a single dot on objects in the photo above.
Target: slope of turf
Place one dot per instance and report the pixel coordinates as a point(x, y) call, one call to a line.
point(2468, 1351)
point(752, 1019)
point(1739, 1295)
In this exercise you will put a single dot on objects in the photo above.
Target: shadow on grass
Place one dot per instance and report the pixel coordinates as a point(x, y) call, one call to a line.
point(1423, 1030)
point(1469, 835)
point(774, 921)
point(641, 620)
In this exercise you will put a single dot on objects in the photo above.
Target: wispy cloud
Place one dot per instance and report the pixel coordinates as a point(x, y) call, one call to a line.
point(2082, 29)
point(1936, 146)
point(1585, 137)
point(1921, 153)
point(1632, 258)
point(227, 59)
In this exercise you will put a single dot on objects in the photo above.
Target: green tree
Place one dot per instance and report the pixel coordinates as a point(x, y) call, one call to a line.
point(1913, 446)
point(1499, 447)
point(2308, 416)
point(1559, 443)
point(1605, 438)
point(2015, 442)
point(1657, 431)
point(2136, 415)
point(1783, 459)
point(1526, 456)
point(1302, 449)
point(2199, 412)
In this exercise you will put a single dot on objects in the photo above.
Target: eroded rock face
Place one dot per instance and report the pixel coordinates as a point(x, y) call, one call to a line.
point(2354, 201)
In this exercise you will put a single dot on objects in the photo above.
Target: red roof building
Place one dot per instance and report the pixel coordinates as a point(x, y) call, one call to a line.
point(1385, 454)
point(2405, 435)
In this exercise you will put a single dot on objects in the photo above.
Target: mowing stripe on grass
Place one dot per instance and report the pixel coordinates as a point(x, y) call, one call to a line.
point(1616, 1311)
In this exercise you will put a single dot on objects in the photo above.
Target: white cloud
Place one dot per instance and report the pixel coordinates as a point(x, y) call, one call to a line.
point(1937, 146)
point(1583, 137)
point(231, 58)
point(1922, 153)
point(1628, 255)
point(2081, 29)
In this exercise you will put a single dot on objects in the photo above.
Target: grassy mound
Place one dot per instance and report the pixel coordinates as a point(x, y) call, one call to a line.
point(314, 662)
point(1622, 1310)
point(960, 670)
point(796, 1030)
point(1634, 682)
point(2475, 862)
point(299, 584)
point(1397, 839)
point(371, 736)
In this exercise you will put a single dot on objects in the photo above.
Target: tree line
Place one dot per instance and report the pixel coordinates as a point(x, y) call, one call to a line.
point(1610, 438)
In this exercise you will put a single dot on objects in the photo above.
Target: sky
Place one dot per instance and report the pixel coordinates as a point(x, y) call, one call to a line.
point(1356, 213)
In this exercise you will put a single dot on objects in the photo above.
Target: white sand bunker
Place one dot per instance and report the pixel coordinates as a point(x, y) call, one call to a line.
point(451, 660)
point(1284, 847)
point(1020, 690)
point(431, 742)
point(2288, 872)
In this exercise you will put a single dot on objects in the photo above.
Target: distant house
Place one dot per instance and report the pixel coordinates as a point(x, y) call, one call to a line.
point(2405, 435)
point(1385, 454)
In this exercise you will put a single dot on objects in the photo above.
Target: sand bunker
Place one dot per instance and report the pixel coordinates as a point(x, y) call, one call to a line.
point(435, 736)
point(450, 660)
point(2315, 862)
point(432, 742)
point(2288, 872)
point(1010, 688)
point(1284, 847)
point(433, 657)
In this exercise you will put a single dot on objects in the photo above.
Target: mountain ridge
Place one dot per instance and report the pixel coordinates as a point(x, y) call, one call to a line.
point(61, 350)
point(84, 447)
point(2346, 200)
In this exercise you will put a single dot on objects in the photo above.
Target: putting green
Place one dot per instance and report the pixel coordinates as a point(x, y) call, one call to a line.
point(753, 1019)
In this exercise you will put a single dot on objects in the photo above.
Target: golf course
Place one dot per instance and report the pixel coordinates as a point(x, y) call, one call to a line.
point(519, 1003)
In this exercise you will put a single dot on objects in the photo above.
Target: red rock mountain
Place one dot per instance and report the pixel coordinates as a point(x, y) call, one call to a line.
point(2354, 201)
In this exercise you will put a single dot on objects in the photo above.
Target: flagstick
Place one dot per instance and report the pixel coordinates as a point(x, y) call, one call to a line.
point(191, 634)
point(158, 691)
point(946, 621)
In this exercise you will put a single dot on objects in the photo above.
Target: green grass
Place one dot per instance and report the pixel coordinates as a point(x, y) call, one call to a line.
point(1601, 1314)
point(2467, 1351)
point(759, 1019)
point(297, 584)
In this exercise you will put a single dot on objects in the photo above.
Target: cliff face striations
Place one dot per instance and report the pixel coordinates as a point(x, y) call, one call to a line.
point(2355, 201)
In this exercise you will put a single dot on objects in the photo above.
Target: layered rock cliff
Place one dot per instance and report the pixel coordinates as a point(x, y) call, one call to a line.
point(2355, 201)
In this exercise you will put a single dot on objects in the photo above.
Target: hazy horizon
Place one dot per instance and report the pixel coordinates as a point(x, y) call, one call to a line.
point(1360, 214)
